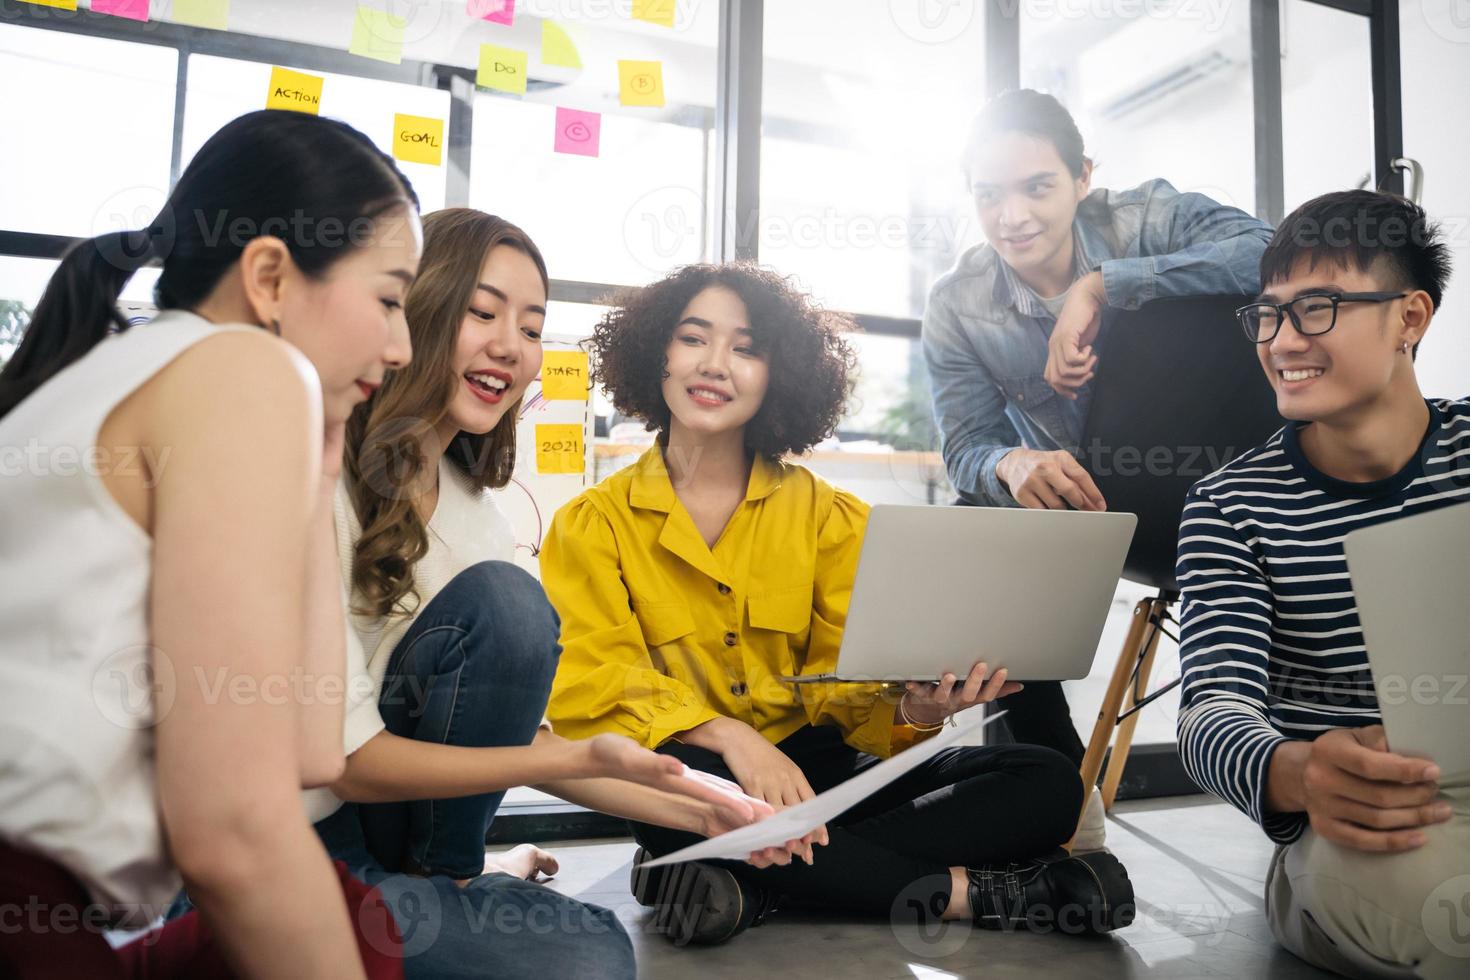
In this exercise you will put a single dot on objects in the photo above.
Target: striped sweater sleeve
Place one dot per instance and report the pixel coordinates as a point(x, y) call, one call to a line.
point(1226, 738)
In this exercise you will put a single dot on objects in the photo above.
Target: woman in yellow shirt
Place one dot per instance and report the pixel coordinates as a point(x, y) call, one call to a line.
point(689, 581)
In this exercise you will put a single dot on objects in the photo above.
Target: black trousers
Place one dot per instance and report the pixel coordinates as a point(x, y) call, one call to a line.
point(965, 806)
point(1038, 715)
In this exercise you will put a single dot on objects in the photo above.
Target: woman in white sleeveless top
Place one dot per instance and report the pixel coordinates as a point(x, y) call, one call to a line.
point(168, 581)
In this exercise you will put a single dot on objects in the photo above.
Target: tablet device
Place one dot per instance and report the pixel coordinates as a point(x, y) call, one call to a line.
point(1409, 580)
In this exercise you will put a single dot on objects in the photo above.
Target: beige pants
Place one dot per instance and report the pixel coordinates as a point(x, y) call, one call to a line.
point(1379, 915)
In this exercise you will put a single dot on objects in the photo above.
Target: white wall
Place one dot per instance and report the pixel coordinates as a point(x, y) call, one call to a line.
point(1435, 39)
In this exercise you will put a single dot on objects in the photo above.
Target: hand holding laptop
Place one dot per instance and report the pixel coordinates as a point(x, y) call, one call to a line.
point(932, 703)
point(1032, 586)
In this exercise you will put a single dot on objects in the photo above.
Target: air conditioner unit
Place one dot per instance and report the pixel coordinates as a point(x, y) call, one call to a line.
point(1154, 60)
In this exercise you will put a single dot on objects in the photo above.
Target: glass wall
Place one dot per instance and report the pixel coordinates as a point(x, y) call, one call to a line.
point(629, 215)
point(89, 129)
point(862, 195)
point(1326, 101)
point(220, 89)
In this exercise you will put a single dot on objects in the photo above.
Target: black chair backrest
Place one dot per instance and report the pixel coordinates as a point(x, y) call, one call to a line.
point(1178, 394)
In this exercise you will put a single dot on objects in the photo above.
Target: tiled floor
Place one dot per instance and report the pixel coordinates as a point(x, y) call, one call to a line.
point(1198, 869)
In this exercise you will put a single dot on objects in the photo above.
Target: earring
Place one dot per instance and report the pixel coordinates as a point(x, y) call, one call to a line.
point(1404, 347)
point(275, 326)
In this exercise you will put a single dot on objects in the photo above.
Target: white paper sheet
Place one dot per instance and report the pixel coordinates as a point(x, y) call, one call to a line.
point(799, 820)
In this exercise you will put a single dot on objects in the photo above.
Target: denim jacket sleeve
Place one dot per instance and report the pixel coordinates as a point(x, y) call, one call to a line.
point(969, 407)
point(1185, 245)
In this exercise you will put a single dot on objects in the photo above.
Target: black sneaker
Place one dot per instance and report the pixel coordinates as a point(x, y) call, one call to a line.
point(697, 902)
point(1086, 893)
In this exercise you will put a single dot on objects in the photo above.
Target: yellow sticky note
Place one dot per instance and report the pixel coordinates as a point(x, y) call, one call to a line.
point(503, 69)
point(58, 4)
point(557, 47)
point(564, 375)
point(377, 34)
point(641, 82)
point(654, 11)
point(559, 449)
point(294, 90)
point(214, 14)
point(418, 139)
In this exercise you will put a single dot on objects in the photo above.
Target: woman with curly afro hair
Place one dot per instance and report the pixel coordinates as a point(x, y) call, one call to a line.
point(689, 582)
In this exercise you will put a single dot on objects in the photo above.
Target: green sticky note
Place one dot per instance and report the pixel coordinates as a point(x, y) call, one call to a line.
point(503, 69)
point(213, 14)
point(557, 47)
point(377, 35)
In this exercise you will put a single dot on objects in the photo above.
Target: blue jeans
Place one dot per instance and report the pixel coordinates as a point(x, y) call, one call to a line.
point(474, 669)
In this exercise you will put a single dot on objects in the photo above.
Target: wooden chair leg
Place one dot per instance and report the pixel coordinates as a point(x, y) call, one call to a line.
point(1107, 713)
point(1124, 742)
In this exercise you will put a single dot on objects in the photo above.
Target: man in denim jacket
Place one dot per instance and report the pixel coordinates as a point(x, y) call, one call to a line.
point(1013, 332)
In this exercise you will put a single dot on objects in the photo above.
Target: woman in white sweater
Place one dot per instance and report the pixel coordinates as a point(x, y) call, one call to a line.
point(461, 644)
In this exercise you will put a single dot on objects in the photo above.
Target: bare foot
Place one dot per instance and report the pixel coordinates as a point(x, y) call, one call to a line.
point(524, 861)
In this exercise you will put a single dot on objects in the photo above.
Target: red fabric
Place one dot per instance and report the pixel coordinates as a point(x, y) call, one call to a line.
point(41, 905)
point(40, 915)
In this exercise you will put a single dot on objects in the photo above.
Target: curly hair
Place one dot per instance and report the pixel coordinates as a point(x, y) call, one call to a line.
point(811, 364)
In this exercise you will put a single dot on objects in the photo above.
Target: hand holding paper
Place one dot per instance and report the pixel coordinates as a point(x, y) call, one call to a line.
point(797, 821)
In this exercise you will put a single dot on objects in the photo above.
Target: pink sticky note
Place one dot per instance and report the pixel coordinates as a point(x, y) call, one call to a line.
point(131, 9)
point(578, 131)
point(495, 11)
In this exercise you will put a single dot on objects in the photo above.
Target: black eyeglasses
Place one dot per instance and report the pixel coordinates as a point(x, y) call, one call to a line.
point(1313, 314)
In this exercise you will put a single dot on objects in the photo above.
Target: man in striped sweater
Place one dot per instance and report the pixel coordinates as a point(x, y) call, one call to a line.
point(1278, 715)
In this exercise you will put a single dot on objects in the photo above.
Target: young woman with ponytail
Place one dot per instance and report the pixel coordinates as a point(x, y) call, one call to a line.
point(173, 613)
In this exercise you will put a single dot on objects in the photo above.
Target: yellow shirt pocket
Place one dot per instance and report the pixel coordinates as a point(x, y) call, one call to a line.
point(663, 622)
point(785, 610)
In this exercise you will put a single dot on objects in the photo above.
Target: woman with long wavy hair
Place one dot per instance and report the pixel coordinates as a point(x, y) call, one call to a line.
point(461, 644)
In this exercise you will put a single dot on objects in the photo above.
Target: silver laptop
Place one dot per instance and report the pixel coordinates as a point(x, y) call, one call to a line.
point(1409, 579)
point(939, 588)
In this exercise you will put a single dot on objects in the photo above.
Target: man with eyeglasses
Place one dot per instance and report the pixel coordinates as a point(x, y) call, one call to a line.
point(1278, 714)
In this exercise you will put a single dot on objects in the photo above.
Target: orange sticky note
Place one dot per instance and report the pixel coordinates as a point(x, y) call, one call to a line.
point(418, 139)
point(659, 12)
point(559, 449)
point(641, 83)
point(214, 14)
point(294, 90)
point(503, 69)
point(564, 375)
